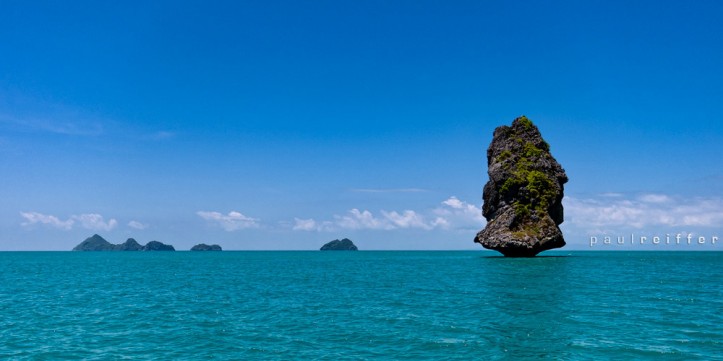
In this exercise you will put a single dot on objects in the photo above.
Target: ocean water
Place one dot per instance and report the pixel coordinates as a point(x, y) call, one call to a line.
point(361, 305)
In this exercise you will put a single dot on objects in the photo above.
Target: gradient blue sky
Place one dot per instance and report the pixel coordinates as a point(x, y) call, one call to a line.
point(283, 125)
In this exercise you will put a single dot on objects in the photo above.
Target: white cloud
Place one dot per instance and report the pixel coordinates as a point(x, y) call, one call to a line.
point(90, 221)
point(32, 218)
point(654, 198)
point(643, 211)
point(137, 225)
point(95, 222)
point(454, 203)
point(461, 215)
point(233, 221)
point(453, 214)
point(304, 224)
point(407, 219)
point(311, 225)
point(356, 219)
point(611, 195)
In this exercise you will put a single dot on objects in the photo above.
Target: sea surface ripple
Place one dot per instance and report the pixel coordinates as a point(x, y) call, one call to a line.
point(360, 305)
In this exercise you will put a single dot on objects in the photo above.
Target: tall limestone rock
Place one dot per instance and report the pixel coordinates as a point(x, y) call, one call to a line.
point(523, 197)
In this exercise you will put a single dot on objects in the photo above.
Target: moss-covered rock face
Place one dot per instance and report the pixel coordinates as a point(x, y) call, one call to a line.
point(523, 197)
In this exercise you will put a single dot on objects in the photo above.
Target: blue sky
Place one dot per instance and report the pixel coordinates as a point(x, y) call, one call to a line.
point(283, 125)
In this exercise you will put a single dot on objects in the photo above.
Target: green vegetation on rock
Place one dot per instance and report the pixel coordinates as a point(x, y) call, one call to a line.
point(530, 150)
point(540, 189)
point(521, 209)
point(526, 123)
point(506, 154)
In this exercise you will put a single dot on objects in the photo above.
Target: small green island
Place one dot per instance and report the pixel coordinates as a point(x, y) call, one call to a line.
point(340, 245)
point(202, 247)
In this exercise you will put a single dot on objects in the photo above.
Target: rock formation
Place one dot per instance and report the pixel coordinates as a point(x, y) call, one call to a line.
point(98, 243)
point(205, 247)
point(337, 245)
point(523, 197)
point(129, 245)
point(157, 246)
point(95, 243)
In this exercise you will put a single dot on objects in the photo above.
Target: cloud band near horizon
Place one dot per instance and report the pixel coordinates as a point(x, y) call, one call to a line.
point(601, 213)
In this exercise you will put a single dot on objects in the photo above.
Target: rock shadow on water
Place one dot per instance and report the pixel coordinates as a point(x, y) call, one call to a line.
point(531, 301)
point(499, 256)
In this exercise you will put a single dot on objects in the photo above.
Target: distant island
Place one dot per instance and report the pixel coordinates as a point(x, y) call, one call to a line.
point(205, 247)
point(98, 243)
point(339, 245)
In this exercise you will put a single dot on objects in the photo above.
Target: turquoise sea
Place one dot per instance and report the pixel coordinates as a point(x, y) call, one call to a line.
point(361, 305)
